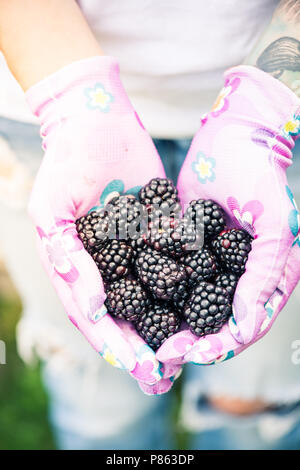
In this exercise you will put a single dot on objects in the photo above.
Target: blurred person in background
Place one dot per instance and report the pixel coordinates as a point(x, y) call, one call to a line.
point(172, 59)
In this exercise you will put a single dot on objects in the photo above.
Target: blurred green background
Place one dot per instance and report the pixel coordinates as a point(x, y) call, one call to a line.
point(23, 409)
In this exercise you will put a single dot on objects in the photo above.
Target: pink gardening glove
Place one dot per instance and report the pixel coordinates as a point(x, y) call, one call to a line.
point(95, 146)
point(239, 159)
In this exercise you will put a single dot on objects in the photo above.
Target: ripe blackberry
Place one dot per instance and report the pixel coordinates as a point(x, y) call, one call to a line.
point(158, 324)
point(114, 260)
point(199, 265)
point(127, 299)
point(158, 273)
point(232, 248)
point(94, 230)
point(207, 217)
point(128, 215)
point(207, 309)
point(228, 281)
point(170, 236)
point(161, 193)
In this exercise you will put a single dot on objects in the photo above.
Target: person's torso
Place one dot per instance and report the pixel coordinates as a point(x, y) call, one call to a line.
point(172, 55)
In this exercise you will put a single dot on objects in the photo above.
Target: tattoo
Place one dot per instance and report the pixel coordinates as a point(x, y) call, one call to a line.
point(290, 9)
point(278, 50)
point(281, 55)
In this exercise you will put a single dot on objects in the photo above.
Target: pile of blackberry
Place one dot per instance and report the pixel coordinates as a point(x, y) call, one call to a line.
point(162, 270)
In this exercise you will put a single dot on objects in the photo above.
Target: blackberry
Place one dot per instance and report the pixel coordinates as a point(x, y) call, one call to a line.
point(199, 265)
point(127, 299)
point(158, 273)
point(170, 236)
point(94, 230)
point(114, 260)
point(160, 193)
point(158, 324)
point(207, 309)
point(228, 281)
point(128, 215)
point(232, 248)
point(206, 216)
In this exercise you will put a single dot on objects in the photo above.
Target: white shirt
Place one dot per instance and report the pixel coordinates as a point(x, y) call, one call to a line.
point(172, 55)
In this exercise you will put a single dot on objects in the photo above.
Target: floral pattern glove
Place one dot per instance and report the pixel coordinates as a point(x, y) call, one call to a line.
point(239, 158)
point(95, 145)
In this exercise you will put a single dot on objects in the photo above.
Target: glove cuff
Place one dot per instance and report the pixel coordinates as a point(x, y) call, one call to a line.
point(91, 84)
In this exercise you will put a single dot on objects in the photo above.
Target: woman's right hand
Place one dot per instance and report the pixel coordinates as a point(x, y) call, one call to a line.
point(93, 141)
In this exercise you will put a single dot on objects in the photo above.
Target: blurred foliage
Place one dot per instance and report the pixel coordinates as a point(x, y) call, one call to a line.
point(182, 437)
point(23, 401)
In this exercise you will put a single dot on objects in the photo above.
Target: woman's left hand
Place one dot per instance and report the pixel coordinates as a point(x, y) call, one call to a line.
point(239, 159)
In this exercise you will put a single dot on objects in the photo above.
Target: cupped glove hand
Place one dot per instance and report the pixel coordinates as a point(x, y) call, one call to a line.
point(239, 158)
point(95, 147)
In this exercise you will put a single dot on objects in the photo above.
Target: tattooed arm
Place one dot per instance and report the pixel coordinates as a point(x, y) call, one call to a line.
point(278, 50)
